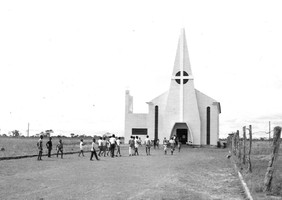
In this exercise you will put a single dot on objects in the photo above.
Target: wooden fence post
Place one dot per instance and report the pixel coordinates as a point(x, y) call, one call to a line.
point(240, 150)
point(233, 144)
point(244, 145)
point(250, 149)
point(274, 155)
point(229, 142)
point(238, 145)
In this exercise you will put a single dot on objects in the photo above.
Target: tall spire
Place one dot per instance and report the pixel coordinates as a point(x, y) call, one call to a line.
point(182, 70)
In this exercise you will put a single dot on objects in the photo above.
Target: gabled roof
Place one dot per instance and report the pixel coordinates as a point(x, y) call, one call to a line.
point(210, 99)
point(161, 97)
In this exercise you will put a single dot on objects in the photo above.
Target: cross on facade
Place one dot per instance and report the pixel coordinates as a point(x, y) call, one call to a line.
point(182, 77)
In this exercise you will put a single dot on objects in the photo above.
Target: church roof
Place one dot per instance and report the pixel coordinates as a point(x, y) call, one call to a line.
point(215, 102)
point(162, 97)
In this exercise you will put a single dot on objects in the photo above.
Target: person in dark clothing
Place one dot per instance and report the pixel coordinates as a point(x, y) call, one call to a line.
point(93, 151)
point(155, 143)
point(49, 147)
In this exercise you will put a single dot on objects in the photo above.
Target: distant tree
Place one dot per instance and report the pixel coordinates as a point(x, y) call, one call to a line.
point(15, 133)
point(72, 135)
point(48, 133)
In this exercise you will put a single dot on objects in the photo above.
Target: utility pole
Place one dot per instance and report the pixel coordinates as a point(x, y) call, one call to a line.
point(269, 131)
point(28, 130)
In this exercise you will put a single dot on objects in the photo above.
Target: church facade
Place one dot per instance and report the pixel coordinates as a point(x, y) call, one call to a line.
point(181, 111)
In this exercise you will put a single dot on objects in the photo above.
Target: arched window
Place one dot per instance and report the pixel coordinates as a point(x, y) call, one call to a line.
point(208, 125)
point(156, 122)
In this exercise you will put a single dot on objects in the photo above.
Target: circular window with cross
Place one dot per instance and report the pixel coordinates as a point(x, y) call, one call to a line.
point(182, 77)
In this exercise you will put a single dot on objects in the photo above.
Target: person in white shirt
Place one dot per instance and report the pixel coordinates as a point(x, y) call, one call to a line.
point(81, 146)
point(100, 146)
point(113, 145)
point(104, 146)
point(165, 143)
point(172, 145)
point(40, 147)
point(148, 145)
point(93, 151)
point(136, 145)
point(118, 147)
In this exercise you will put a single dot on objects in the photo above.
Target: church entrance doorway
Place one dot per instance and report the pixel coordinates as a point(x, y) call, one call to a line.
point(182, 132)
point(182, 135)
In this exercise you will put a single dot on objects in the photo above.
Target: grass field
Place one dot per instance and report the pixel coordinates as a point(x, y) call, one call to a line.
point(260, 157)
point(27, 146)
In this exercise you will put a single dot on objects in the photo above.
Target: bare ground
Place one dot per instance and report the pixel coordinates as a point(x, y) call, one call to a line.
point(194, 173)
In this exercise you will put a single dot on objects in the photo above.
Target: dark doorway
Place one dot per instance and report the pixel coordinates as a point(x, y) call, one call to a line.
point(182, 135)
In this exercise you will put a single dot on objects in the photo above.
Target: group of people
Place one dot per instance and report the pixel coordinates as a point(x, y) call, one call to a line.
point(135, 141)
point(172, 143)
point(106, 146)
point(111, 145)
point(49, 146)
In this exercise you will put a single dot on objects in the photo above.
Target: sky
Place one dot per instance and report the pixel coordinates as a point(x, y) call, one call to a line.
point(65, 65)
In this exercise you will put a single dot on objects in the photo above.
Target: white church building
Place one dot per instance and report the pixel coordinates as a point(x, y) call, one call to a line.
point(181, 111)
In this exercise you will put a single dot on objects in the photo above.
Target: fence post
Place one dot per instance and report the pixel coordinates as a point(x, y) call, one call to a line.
point(250, 149)
point(238, 145)
point(270, 168)
point(233, 144)
point(244, 145)
point(229, 142)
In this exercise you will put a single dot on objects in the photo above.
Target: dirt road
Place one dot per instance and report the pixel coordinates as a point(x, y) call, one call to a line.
point(194, 173)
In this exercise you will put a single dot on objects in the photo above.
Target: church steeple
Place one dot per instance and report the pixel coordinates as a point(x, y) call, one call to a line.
point(182, 72)
point(182, 61)
point(182, 105)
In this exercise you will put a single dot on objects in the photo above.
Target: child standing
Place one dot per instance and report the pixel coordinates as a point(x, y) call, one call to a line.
point(165, 143)
point(172, 145)
point(40, 147)
point(81, 145)
point(60, 148)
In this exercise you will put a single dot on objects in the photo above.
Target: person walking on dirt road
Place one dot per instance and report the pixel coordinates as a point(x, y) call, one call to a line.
point(60, 148)
point(93, 151)
point(148, 145)
point(40, 147)
point(165, 143)
point(118, 147)
point(49, 147)
point(81, 146)
point(113, 145)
